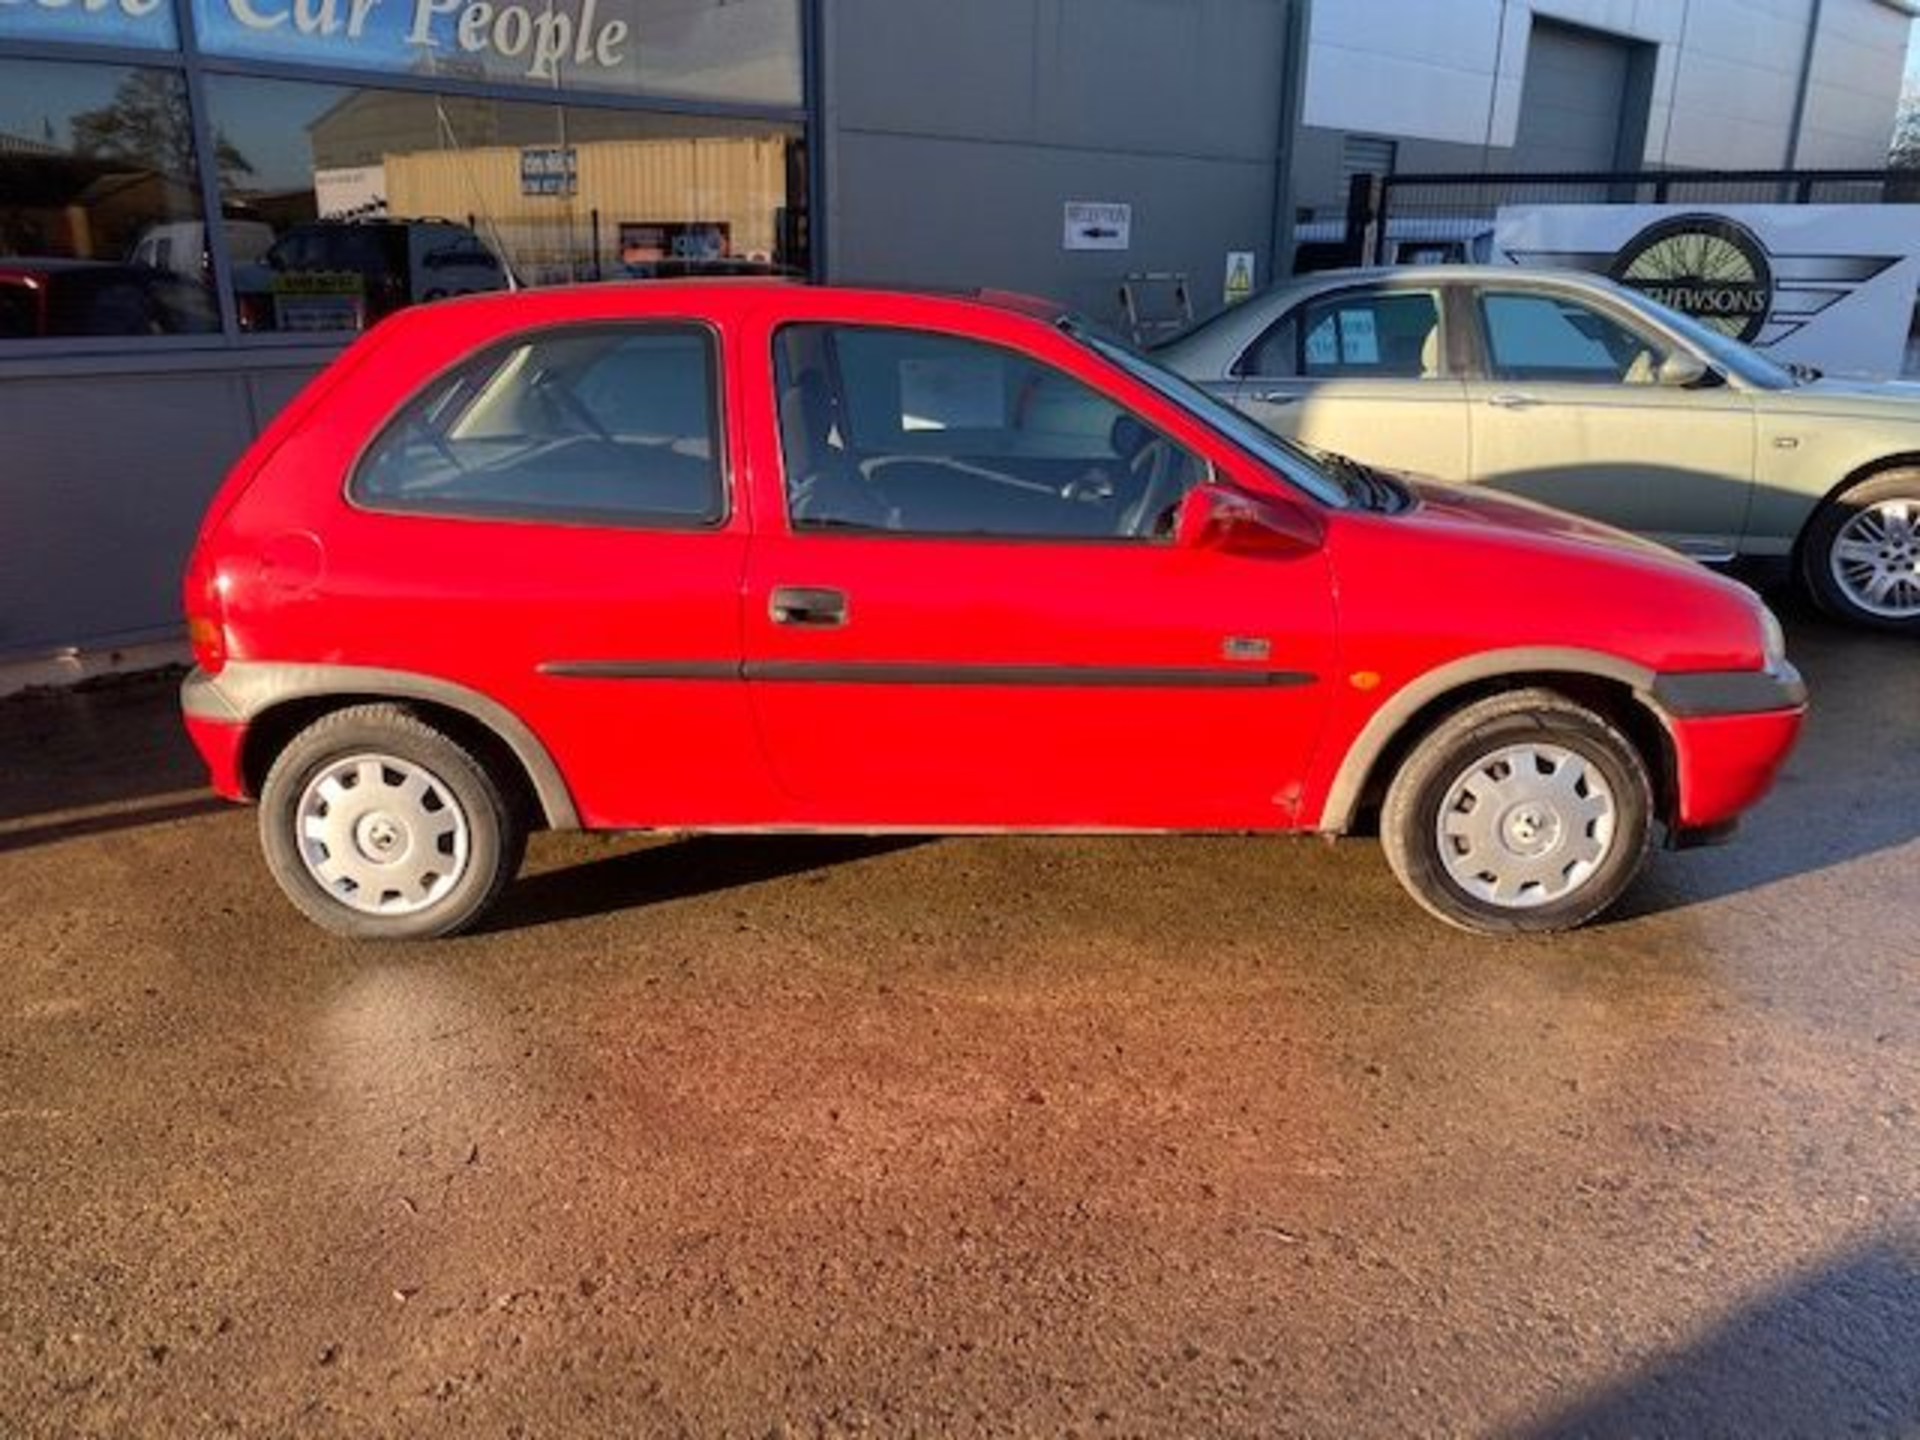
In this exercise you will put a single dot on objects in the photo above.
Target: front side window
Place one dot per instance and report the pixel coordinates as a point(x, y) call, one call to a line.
point(924, 434)
point(613, 424)
point(1357, 334)
point(1552, 338)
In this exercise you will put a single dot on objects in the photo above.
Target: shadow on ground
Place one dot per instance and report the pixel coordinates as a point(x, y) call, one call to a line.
point(97, 758)
point(1850, 789)
point(678, 870)
point(1835, 1354)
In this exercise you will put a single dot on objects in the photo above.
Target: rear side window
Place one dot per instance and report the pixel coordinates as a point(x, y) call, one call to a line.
point(615, 424)
point(1356, 334)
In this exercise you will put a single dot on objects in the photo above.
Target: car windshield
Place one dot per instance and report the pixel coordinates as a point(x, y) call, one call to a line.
point(1304, 470)
point(1723, 350)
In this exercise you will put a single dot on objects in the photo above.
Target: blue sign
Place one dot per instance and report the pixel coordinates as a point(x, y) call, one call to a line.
point(114, 22)
point(549, 170)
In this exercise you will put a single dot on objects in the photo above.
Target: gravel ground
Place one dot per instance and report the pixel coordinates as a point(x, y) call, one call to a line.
point(796, 1137)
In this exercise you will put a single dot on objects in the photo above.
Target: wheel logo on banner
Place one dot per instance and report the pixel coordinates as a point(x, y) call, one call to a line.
point(1706, 266)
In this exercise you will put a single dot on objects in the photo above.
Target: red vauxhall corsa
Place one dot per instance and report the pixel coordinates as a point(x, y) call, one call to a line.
point(747, 556)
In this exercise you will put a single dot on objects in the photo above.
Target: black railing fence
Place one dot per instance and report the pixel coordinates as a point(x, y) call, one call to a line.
point(1400, 217)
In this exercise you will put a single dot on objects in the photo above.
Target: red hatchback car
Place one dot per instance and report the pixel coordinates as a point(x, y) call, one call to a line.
point(749, 556)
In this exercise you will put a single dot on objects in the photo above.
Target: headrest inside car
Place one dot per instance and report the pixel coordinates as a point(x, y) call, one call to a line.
point(1128, 436)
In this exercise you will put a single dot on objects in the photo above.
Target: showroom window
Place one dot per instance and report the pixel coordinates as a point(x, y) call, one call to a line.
point(354, 202)
point(339, 203)
point(612, 424)
point(97, 161)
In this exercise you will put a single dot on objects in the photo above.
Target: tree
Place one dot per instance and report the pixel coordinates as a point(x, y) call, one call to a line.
point(146, 124)
point(1904, 153)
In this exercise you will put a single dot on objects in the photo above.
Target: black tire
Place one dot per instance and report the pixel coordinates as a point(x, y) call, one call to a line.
point(1410, 823)
point(1830, 522)
point(453, 781)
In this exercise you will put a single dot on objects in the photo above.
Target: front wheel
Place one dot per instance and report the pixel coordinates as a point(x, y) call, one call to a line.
point(1861, 556)
point(1521, 813)
point(380, 827)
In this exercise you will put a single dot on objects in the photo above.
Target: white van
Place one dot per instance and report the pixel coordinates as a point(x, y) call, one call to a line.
point(180, 246)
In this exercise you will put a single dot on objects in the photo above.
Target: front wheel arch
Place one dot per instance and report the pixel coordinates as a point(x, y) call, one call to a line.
point(1824, 518)
point(1355, 799)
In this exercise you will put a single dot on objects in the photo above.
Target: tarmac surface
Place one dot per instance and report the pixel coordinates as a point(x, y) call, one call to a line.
point(1033, 1137)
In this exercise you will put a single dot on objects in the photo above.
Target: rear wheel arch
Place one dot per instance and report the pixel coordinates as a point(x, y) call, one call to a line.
point(1614, 689)
point(279, 702)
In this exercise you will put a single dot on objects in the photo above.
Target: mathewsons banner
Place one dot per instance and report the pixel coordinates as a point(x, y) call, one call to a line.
point(1832, 286)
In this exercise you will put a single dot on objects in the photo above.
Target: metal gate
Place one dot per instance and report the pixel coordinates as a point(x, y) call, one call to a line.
point(1412, 218)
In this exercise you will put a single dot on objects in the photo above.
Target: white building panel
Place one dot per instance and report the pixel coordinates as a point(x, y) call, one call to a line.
point(1725, 79)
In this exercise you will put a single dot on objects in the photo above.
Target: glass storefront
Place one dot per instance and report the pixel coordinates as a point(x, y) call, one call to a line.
point(520, 149)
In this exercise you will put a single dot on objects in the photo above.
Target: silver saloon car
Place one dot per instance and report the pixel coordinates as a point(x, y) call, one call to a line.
point(1572, 390)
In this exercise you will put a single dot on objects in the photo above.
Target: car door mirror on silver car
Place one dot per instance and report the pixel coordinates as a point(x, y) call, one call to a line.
point(1684, 371)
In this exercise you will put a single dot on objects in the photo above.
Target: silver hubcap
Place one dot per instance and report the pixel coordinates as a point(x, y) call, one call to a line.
point(1526, 825)
point(382, 835)
point(1876, 559)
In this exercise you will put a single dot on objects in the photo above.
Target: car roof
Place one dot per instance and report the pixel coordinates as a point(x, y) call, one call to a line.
point(1439, 274)
point(612, 299)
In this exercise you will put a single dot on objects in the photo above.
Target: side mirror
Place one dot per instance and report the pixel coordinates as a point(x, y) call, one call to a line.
point(1213, 517)
point(1679, 370)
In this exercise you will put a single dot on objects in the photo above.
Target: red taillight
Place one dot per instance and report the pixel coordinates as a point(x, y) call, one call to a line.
point(206, 618)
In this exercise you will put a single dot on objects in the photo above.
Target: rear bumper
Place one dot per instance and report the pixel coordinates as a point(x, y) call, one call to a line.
point(1731, 734)
point(218, 732)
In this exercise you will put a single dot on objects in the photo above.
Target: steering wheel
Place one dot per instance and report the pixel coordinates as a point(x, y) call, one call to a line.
point(1156, 463)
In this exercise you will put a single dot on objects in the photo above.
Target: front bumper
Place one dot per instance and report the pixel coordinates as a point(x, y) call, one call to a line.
point(1731, 733)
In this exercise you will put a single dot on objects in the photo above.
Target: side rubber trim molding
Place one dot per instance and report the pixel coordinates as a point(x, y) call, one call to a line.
point(797, 672)
point(244, 691)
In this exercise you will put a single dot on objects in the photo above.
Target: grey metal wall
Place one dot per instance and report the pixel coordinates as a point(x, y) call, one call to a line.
point(105, 468)
point(956, 131)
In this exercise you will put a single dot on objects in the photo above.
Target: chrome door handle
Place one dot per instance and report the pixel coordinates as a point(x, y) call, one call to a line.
point(807, 605)
point(1275, 397)
point(1513, 400)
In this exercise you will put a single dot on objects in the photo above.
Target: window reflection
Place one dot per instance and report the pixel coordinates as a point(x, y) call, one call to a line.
point(356, 202)
point(101, 231)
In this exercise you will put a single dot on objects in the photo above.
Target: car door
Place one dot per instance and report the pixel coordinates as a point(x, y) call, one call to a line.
point(970, 613)
point(1568, 408)
point(1364, 371)
point(556, 508)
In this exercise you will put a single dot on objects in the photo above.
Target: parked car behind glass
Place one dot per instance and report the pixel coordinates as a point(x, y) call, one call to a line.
point(748, 556)
point(347, 274)
point(43, 297)
point(1585, 394)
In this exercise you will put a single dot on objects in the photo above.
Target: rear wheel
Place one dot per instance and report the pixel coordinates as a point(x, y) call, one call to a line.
point(1861, 556)
point(1523, 812)
point(380, 827)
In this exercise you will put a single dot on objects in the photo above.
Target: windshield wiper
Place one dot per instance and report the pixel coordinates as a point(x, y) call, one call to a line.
point(1360, 482)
